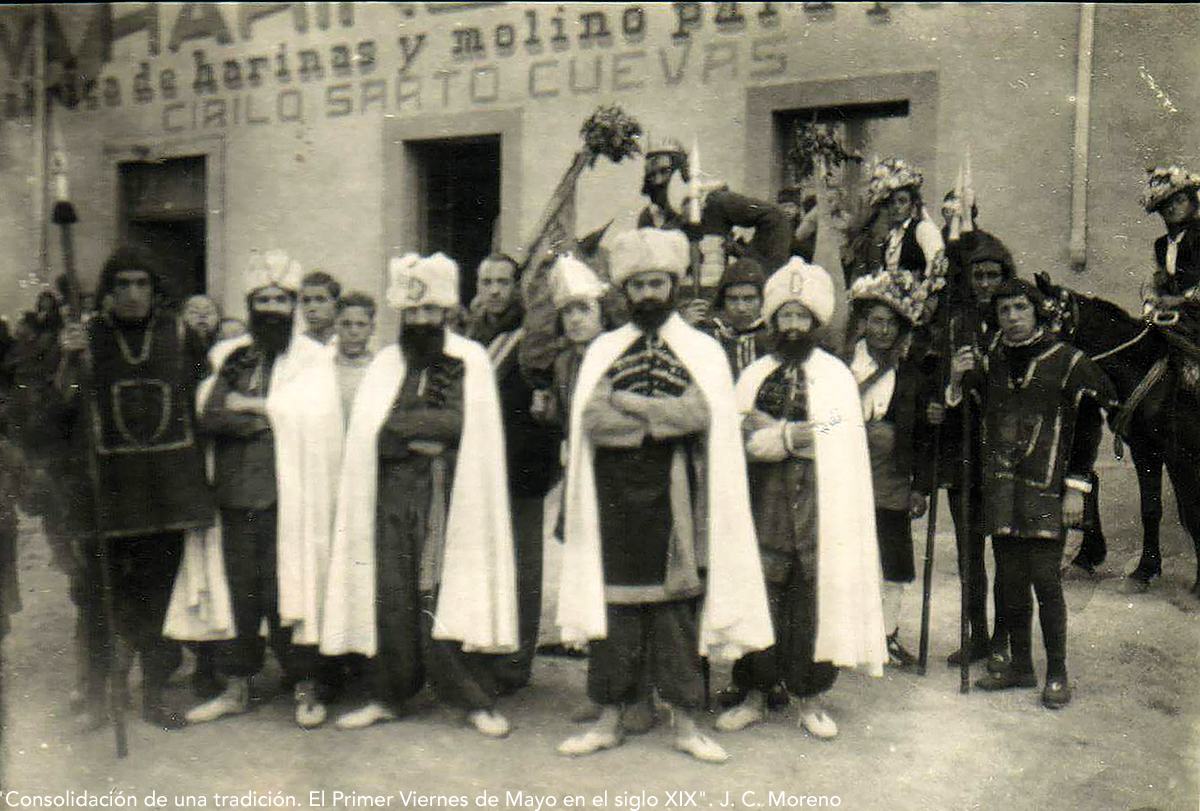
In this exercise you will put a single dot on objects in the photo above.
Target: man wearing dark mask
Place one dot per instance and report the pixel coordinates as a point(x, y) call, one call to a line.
point(656, 492)
point(422, 569)
point(142, 369)
point(810, 491)
point(274, 412)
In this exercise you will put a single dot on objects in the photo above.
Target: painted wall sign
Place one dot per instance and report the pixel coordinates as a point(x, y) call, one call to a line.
point(443, 55)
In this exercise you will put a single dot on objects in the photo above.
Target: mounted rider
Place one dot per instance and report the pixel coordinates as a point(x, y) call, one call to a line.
point(1174, 304)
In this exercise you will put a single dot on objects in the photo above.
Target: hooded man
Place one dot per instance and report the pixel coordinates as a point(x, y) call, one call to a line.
point(1041, 401)
point(738, 324)
point(143, 367)
point(656, 492)
point(985, 263)
point(274, 413)
point(422, 571)
point(810, 489)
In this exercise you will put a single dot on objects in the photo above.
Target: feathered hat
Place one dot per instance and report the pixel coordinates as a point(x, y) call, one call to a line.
point(899, 290)
point(1163, 182)
point(414, 280)
point(571, 279)
point(888, 176)
point(272, 269)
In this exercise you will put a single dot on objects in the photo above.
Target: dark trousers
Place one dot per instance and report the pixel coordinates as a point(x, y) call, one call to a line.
point(772, 240)
point(514, 671)
point(407, 654)
point(648, 644)
point(793, 604)
point(248, 540)
point(977, 582)
point(1036, 563)
point(143, 573)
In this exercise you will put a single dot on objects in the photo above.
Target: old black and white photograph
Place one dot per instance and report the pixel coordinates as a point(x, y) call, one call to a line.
point(635, 405)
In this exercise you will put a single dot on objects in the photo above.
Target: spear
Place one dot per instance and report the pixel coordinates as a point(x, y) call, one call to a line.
point(64, 216)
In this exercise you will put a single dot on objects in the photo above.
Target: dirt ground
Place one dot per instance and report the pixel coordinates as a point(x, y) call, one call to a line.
point(1128, 741)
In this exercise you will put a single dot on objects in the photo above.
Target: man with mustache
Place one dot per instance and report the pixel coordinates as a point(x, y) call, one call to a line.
point(810, 490)
point(422, 571)
point(656, 493)
point(274, 413)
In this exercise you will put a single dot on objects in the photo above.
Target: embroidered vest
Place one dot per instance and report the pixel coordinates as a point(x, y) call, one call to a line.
point(150, 469)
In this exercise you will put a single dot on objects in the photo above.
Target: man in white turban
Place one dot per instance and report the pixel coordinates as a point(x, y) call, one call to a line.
point(810, 487)
point(422, 574)
point(273, 410)
point(656, 496)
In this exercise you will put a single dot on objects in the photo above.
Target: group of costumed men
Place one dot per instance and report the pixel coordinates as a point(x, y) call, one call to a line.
point(731, 489)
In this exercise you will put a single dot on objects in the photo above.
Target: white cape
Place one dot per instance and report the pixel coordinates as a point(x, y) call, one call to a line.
point(304, 407)
point(850, 629)
point(735, 617)
point(476, 602)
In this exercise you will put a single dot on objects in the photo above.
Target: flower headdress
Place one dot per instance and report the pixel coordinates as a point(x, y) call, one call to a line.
point(1163, 182)
point(902, 290)
point(888, 176)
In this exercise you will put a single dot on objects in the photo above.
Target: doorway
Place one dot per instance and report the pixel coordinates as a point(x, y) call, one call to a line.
point(162, 208)
point(458, 200)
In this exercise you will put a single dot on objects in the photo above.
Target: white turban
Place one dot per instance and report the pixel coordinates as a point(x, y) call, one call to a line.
point(415, 280)
point(799, 281)
point(648, 249)
point(571, 279)
point(272, 269)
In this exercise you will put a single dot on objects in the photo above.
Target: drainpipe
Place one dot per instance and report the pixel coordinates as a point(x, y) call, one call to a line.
point(1083, 102)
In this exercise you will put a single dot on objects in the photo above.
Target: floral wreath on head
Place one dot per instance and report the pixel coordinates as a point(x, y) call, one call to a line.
point(888, 176)
point(1163, 182)
point(911, 297)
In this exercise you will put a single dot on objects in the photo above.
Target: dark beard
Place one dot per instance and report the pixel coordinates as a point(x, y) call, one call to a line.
point(271, 331)
point(795, 345)
point(422, 343)
point(650, 314)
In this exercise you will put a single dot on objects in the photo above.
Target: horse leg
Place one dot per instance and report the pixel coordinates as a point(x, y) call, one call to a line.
point(1149, 465)
point(1185, 479)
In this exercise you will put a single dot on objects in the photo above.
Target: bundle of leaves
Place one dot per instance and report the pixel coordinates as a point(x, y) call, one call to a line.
point(813, 141)
point(611, 133)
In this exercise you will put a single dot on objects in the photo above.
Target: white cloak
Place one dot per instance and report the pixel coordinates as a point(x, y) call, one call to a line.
point(304, 408)
point(476, 602)
point(735, 617)
point(850, 630)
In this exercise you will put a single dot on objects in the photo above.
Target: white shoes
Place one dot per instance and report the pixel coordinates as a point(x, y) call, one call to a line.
point(590, 742)
point(364, 717)
point(739, 717)
point(310, 712)
point(817, 722)
point(235, 700)
point(490, 723)
point(702, 748)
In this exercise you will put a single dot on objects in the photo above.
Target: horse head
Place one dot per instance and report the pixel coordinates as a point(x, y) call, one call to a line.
point(1060, 304)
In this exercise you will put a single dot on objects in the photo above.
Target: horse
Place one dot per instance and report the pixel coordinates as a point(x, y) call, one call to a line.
point(1163, 428)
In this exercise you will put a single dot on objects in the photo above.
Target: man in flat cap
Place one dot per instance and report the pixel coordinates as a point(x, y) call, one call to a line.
point(656, 495)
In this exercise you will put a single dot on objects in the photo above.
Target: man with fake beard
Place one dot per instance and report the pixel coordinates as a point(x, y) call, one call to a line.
point(149, 473)
point(421, 574)
point(274, 413)
point(810, 490)
point(656, 492)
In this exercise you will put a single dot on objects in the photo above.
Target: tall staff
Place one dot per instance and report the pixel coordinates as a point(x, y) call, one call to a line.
point(64, 216)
